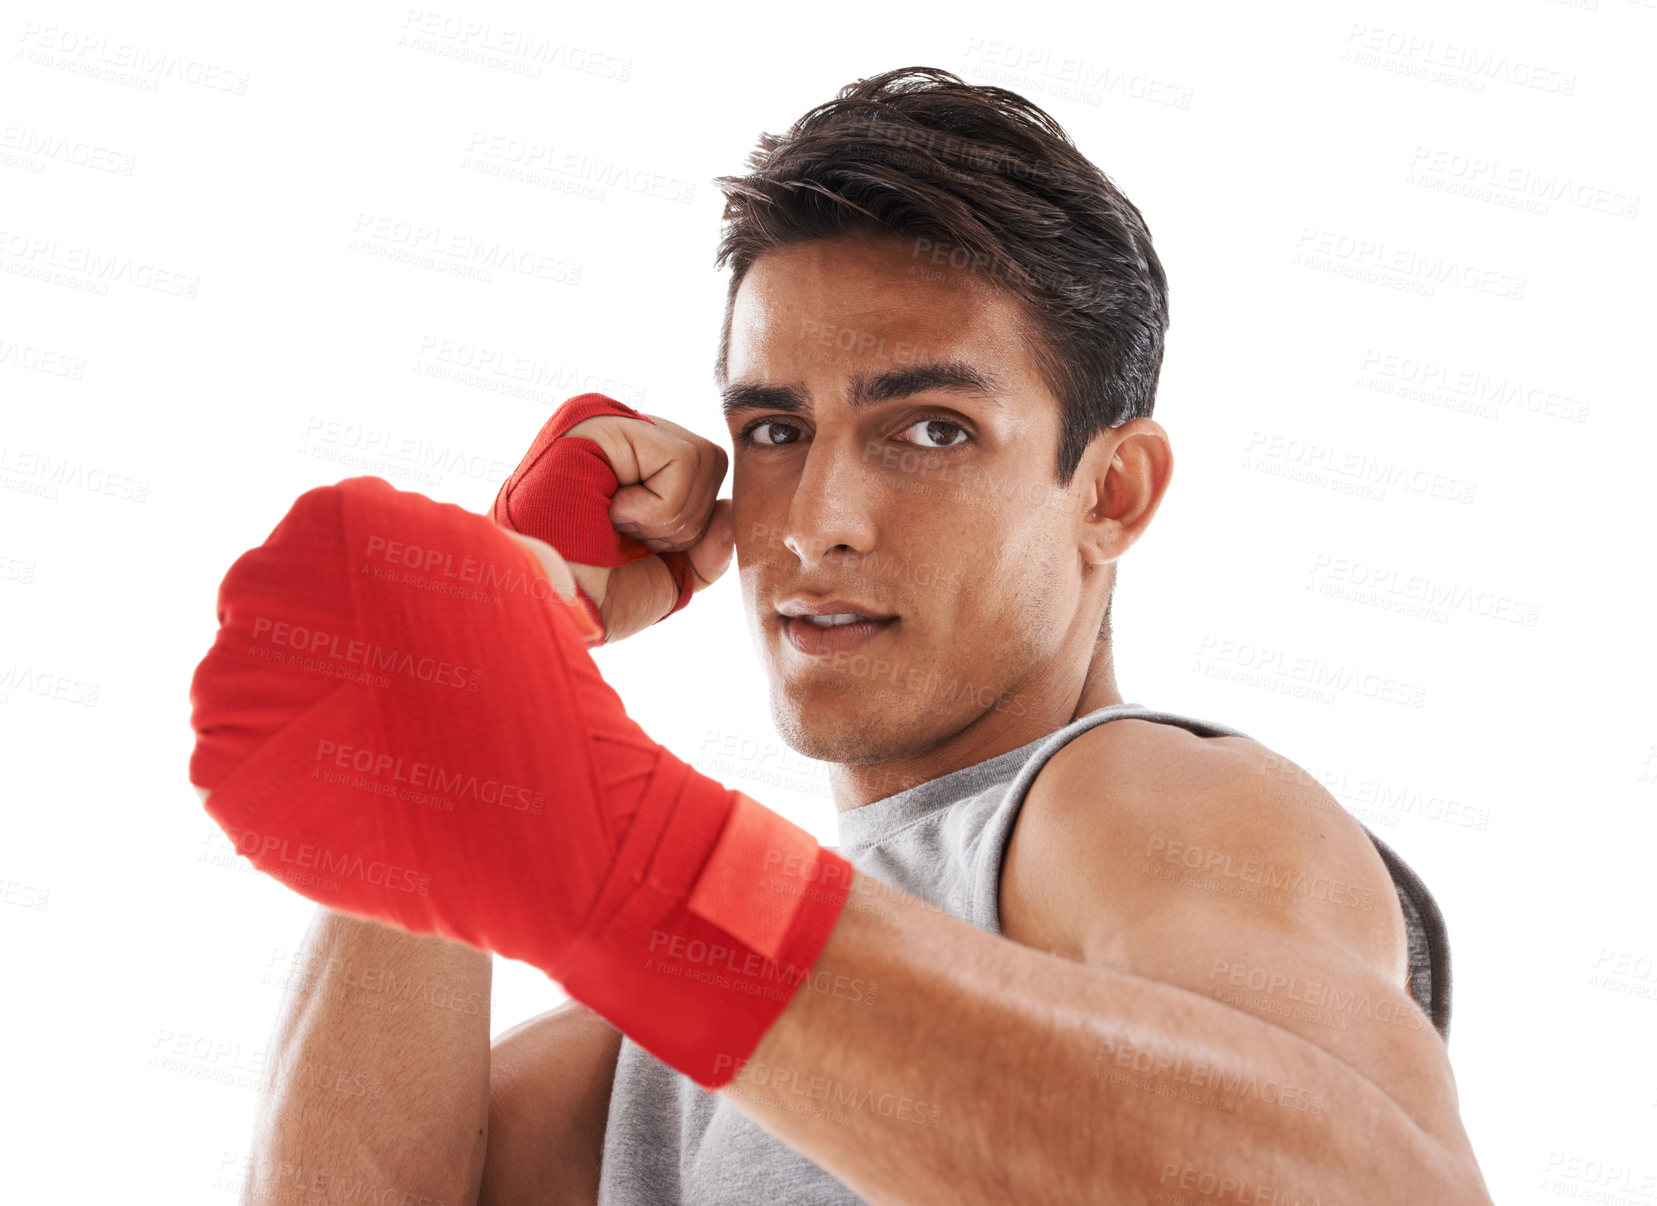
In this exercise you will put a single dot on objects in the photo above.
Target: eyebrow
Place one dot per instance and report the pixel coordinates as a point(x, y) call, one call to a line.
point(870, 388)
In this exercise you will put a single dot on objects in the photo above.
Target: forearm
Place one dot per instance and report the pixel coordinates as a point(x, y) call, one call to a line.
point(988, 1072)
point(379, 1070)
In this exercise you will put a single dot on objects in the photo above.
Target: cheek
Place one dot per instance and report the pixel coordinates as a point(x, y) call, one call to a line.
point(749, 524)
point(1007, 543)
point(1024, 560)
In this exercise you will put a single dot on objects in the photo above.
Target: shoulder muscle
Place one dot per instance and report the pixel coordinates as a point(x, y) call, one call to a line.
point(1199, 863)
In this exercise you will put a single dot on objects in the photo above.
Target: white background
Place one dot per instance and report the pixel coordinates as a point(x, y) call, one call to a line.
point(1477, 317)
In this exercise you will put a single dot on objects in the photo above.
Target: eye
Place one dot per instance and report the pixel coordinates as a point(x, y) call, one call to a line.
point(764, 434)
point(944, 430)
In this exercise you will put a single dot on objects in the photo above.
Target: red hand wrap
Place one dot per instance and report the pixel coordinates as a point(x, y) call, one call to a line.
point(561, 493)
point(453, 763)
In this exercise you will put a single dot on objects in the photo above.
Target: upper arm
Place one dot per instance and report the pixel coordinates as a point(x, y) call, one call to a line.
point(1183, 860)
point(549, 1099)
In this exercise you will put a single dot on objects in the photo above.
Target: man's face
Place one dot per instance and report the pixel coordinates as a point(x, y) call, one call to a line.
point(927, 506)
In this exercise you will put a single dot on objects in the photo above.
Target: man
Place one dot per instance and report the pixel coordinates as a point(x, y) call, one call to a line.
point(1094, 952)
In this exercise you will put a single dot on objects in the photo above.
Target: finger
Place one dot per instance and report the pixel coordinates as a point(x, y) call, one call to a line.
point(664, 510)
point(672, 503)
point(710, 476)
point(615, 436)
point(643, 592)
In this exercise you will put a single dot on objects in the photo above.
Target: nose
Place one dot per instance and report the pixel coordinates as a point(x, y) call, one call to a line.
point(831, 511)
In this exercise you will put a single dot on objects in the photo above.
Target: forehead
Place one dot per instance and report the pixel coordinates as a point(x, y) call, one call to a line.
point(859, 300)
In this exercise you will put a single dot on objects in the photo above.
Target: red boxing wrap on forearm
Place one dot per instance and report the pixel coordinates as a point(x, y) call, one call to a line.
point(453, 763)
point(561, 493)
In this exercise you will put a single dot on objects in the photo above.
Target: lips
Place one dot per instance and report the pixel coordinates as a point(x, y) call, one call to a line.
point(816, 640)
point(831, 624)
point(828, 606)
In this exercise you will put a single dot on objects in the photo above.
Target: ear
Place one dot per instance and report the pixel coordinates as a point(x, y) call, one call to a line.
point(1120, 483)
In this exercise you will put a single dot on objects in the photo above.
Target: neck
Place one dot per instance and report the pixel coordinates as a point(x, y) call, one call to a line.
point(1025, 716)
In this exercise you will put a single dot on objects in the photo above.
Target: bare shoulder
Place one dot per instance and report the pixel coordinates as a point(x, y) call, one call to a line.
point(1133, 806)
point(1218, 867)
point(549, 1102)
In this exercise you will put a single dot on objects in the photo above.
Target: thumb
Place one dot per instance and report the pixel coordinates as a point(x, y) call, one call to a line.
point(636, 595)
point(710, 556)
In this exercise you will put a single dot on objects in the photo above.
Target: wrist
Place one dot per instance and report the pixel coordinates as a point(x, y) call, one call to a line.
point(711, 919)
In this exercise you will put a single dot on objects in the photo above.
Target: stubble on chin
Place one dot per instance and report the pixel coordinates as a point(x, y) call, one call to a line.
point(851, 725)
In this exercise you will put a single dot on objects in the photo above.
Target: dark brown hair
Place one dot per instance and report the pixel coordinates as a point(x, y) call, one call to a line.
point(992, 178)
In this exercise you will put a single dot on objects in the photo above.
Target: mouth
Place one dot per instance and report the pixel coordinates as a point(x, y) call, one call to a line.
point(837, 620)
point(832, 626)
point(818, 635)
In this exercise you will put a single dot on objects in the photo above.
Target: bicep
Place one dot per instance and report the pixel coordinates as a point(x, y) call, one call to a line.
point(1290, 972)
point(549, 1100)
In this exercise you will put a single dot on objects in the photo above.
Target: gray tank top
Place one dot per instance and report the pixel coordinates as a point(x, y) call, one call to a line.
point(669, 1141)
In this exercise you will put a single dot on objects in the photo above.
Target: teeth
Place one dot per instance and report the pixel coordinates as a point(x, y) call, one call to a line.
point(833, 621)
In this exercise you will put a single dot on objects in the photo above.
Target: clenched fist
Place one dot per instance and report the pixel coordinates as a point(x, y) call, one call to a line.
point(630, 501)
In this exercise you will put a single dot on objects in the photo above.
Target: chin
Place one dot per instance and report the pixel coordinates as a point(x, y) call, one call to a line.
point(849, 727)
